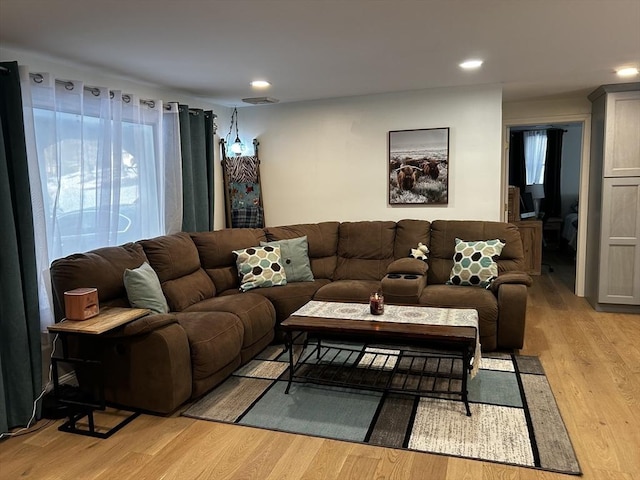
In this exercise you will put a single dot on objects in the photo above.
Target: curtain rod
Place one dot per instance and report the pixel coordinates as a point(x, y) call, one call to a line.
point(535, 129)
point(38, 78)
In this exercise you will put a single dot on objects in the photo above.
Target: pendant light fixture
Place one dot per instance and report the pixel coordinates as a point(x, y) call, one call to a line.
point(236, 147)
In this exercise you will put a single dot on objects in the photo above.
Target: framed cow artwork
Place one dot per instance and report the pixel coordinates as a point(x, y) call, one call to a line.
point(419, 167)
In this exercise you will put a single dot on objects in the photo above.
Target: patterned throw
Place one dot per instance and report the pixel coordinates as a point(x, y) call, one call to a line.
point(457, 317)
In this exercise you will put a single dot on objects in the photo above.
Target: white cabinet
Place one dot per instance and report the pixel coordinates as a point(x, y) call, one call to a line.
point(622, 136)
point(613, 223)
point(620, 242)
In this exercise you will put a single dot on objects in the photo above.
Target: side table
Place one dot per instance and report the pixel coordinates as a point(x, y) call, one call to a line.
point(108, 319)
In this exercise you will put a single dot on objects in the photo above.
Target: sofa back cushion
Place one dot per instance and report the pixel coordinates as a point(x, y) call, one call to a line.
point(102, 268)
point(365, 250)
point(322, 239)
point(443, 241)
point(176, 261)
point(216, 257)
point(408, 234)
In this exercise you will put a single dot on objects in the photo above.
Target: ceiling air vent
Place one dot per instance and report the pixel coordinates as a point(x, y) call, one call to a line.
point(260, 100)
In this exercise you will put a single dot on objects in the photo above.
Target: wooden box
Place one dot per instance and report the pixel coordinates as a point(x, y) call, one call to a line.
point(81, 304)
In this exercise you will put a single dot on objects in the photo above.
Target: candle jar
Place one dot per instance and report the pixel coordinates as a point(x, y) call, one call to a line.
point(376, 303)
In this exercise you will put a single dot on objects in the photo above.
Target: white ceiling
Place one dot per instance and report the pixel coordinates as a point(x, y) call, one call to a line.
point(317, 49)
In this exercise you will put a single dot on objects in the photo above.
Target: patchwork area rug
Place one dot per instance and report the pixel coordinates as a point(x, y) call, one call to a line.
point(515, 419)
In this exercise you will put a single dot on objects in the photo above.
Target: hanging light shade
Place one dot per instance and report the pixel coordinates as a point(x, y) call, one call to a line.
point(236, 147)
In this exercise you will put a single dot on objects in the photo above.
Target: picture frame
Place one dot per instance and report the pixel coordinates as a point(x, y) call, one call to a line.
point(418, 172)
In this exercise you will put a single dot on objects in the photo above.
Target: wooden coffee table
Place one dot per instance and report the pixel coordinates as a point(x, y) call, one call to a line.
point(418, 357)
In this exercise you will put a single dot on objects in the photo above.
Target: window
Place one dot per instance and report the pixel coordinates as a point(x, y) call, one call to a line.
point(104, 168)
point(535, 152)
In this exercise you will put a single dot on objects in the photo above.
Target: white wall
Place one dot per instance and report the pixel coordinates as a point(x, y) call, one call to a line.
point(570, 171)
point(328, 160)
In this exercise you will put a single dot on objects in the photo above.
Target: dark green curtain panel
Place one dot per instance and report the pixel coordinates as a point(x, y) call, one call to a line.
point(20, 354)
point(517, 167)
point(196, 142)
point(551, 204)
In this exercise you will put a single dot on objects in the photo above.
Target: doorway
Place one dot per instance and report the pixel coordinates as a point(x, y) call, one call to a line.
point(563, 240)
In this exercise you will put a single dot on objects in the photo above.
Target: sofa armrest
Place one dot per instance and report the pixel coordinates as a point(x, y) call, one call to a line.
point(150, 371)
point(408, 265)
point(512, 312)
point(142, 325)
point(516, 278)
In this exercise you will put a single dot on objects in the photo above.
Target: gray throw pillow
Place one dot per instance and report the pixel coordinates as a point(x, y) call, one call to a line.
point(144, 290)
point(294, 254)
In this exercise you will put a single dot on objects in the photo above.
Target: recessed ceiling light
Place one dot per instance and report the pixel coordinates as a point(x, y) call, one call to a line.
point(627, 71)
point(260, 84)
point(471, 64)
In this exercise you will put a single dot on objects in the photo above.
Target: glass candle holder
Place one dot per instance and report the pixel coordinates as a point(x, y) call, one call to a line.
point(376, 303)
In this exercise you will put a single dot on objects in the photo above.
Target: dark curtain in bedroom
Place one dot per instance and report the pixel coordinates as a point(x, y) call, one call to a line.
point(196, 142)
point(517, 168)
point(20, 355)
point(551, 205)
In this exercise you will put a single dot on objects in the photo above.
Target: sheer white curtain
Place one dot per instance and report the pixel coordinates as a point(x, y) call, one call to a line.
point(535, 151)
point(105, 169)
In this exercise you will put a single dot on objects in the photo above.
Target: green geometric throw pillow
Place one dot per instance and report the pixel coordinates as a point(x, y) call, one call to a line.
point(259, 267)
point(474, 263)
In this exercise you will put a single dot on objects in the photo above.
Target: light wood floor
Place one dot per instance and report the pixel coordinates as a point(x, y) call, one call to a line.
point(592, 361)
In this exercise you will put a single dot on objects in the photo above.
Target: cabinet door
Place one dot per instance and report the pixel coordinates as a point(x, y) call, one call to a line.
point(620, 242)
point(531, 236)
point(622, 135)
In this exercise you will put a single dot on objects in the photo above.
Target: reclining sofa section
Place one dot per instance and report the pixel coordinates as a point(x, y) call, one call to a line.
point(160, 361)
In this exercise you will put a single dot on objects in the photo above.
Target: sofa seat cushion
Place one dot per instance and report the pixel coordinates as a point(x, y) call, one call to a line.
point(256, 314)
point(484, 301)
point(347, 291)
point(287, 299)
point(215, 340)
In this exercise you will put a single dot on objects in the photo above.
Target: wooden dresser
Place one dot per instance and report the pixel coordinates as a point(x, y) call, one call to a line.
point(531, 235)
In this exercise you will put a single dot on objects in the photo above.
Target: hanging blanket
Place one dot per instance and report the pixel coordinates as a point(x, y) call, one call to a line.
point(242, 169)
point(247, 217)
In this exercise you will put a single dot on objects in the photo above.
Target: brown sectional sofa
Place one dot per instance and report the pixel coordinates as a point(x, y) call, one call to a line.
point(160, 361)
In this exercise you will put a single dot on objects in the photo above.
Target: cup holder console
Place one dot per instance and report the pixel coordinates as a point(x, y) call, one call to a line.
point(403, 288)
point(406, 276)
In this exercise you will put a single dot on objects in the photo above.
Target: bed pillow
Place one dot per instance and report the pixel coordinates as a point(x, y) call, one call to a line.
point(294, 254)
point(144, 290)
point(259, 267)
point(475, 262)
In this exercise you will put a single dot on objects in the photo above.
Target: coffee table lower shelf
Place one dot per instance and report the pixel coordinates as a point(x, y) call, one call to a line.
point(440, 373)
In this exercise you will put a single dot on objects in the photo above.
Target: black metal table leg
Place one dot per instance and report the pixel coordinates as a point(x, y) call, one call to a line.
point(466, 367)
point(289, 341)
